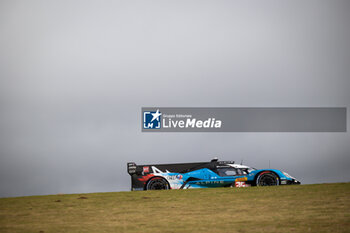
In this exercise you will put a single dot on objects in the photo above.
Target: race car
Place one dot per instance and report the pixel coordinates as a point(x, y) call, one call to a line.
point(204, 175)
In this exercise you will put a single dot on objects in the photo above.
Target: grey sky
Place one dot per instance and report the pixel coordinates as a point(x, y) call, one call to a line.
point(75, 74)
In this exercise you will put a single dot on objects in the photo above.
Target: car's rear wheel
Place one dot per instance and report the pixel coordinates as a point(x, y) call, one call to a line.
point(267, 179)
point(157, 183)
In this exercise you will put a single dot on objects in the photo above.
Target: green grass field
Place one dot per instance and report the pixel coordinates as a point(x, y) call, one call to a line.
point(303, 208)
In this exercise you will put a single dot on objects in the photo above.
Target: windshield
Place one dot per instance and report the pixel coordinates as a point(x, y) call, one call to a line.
point(227, 171)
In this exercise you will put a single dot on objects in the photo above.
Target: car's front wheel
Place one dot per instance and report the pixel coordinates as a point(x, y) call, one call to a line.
point(157, 183)
point(267, 179)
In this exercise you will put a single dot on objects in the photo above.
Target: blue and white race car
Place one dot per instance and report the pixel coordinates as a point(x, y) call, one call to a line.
point(204, 175)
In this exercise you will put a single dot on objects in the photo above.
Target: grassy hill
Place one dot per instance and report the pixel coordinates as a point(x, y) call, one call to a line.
point(304, 208)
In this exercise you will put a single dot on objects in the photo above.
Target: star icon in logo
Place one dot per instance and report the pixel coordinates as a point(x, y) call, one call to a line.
point(156, 115)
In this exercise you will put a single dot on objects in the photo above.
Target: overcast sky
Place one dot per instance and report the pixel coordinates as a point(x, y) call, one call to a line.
point(75, 74)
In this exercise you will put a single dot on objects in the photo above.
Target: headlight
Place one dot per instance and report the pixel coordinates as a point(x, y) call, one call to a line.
point(287, 175)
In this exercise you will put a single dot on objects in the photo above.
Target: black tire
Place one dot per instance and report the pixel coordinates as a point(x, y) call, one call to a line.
point(157, 183)
point(267, 179)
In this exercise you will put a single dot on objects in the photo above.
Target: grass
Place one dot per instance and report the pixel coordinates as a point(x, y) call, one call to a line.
point(305, 208)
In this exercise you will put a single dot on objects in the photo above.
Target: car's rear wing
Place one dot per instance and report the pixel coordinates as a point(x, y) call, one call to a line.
point(131, 168)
